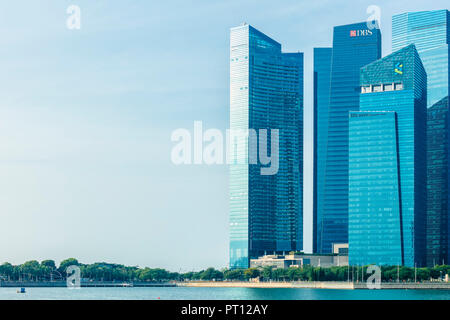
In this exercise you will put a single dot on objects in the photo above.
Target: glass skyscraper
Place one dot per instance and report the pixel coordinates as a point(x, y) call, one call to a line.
point(438, 224)
point(374, 189)
point(336, 94)
point(430, 32)
point(322, 74)
point(266, 92)
point(387, 166)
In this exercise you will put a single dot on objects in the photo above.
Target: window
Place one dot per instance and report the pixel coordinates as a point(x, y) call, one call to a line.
point(377, 88)
point(365, 89)
point(388, 87)
point(398, 86)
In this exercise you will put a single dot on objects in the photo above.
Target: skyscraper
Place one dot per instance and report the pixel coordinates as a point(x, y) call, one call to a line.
point(354, 46)
point(266, 92)
point(438, 224)
point(322, 74)
point(387, 166)
point(374, 189)
point(430, 32)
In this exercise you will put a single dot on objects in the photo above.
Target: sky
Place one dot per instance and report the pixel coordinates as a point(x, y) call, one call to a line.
point(86, 118)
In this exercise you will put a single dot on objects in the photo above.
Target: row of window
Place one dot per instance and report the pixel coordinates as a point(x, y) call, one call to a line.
point(237, 59)
point(382, 87)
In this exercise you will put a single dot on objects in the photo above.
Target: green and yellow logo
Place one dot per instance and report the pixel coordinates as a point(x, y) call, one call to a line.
point(398, 69)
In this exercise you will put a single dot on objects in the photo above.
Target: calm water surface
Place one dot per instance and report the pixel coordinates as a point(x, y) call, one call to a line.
point(182, 293)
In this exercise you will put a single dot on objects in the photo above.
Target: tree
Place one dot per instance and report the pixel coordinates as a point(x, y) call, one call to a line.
point(235, 274)
point(423, 274)
point(7, 270)
point(210, 274)
point(251, 273)
point(188, 275)
point(279, 274)
point(66, 263)
point(388, 273)
point(30, 270)
point(49, 264)
point(266, 273)
point(406, 273)
point(294, 274)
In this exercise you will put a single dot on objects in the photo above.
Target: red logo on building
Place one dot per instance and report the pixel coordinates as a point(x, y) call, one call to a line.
point(352, 33)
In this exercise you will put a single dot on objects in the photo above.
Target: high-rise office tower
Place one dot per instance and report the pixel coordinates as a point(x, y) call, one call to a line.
point(430, 32)
point(438, 222)
point(322, 74)
point(266, 92)
point(336, 94)
point(387, 163)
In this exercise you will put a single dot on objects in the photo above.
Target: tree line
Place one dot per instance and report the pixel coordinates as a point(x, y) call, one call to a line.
point(47, 270)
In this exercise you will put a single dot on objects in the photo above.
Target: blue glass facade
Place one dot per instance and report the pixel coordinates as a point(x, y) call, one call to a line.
point(374, 189)
point(438, 224)
point(354, 46)
point(398, 84)
point(266, 92)
point(322, 74)
point(430, 32)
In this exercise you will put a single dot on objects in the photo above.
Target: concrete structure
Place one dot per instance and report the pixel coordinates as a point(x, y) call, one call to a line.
point(338, 259)
point(340, 248)
point(346, 285)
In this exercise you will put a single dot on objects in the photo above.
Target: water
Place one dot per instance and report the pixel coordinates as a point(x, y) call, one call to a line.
point(187, 293)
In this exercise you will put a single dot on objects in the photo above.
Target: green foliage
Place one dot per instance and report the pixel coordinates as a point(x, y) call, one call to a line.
point(30, 270)
point(235, 274)
point(49, 264)
point(211, 274)
point(66, 263)
point(7, 270)
point(251, 273)
point(266, 273)
point(154, 274)
point(102, 271)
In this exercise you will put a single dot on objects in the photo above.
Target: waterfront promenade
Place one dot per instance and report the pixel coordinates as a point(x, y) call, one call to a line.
point(315, 285)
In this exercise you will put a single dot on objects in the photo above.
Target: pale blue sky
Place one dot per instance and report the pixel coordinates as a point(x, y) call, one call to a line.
point(86, 118)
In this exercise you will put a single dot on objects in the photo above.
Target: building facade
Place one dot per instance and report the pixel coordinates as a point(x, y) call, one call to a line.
point(339, 258)
point(322, 74)
point(438, 224)
point(387, 171)
point(374, 189)
point(430, 32)
point(354, 46)
point(266, 93)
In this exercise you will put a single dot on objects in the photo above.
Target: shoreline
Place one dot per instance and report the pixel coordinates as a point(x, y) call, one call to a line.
point(338, 285)
point(93, 284)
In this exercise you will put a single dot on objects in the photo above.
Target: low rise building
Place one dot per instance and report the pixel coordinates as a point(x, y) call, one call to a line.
point(338, 258)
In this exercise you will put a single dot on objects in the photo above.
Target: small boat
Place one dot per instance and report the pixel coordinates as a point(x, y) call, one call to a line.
point(22, 290)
